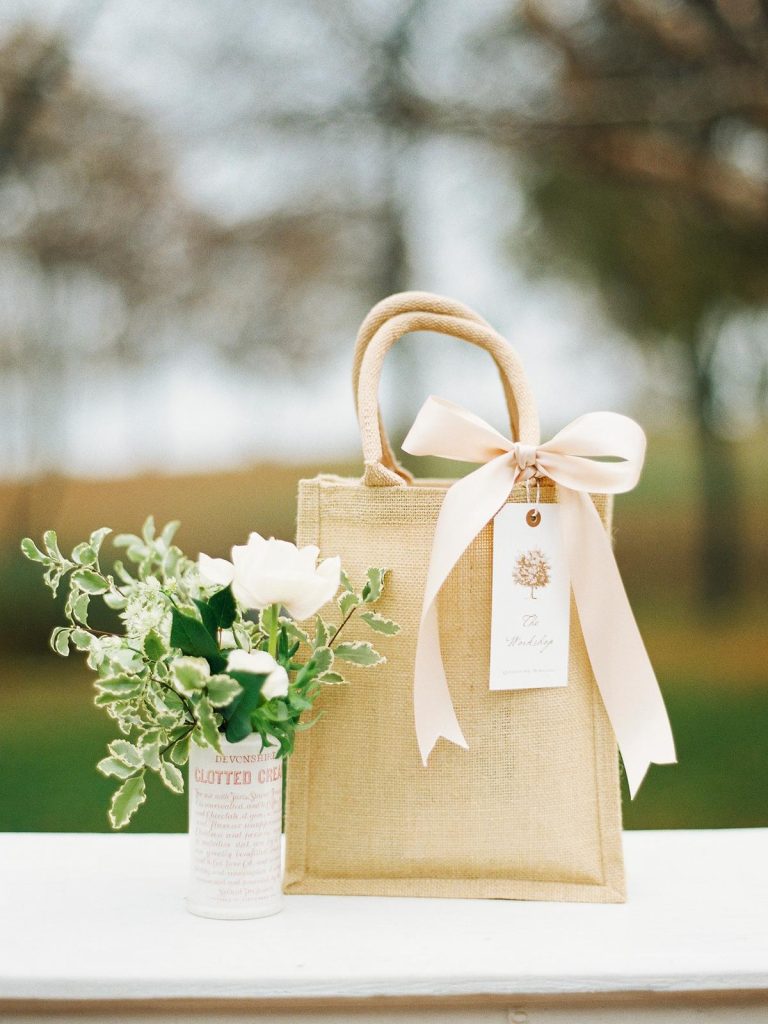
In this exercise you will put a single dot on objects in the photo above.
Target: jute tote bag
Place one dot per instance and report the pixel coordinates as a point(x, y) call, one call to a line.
point(532, 809)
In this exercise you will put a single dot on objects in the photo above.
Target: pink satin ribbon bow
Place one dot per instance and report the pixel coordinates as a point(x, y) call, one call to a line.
point(619, 660)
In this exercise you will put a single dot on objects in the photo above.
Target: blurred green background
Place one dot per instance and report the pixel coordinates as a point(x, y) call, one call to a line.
point(196, 212)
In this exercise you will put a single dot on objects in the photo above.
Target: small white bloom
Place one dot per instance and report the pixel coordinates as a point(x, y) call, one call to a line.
point(261, 663)
point(146, 608)
point(265, 572)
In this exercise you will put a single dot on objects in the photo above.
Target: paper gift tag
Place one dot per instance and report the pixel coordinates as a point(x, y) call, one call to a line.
point(531, 599)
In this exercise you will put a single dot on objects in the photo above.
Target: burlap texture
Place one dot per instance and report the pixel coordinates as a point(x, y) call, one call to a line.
point(531, 811)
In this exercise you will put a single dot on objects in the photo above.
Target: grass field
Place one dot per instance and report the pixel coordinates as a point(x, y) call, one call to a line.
point(712, 667)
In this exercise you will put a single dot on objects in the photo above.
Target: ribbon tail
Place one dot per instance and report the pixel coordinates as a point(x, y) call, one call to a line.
point(432, 705)
point(467, 507)
point(622, 669)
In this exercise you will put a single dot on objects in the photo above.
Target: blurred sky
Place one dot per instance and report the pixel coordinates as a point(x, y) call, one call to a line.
point(203, 413)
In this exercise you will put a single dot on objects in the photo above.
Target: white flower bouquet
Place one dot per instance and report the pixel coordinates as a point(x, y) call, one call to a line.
point(204, 649)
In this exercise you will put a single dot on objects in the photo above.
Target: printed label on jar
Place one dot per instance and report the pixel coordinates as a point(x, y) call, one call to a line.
point(235, 825)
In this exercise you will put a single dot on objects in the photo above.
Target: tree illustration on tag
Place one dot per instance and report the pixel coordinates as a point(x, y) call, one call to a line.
point(532, 570)
point(531, 600)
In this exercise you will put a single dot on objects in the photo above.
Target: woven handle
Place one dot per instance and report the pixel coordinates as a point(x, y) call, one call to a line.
point(421, 311)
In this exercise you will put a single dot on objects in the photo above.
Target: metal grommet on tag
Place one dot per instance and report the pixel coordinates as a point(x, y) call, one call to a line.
point(533, 516)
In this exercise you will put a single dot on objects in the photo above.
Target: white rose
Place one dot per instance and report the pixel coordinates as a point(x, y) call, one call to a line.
point(215, 570)
point(261, 663)
point(265, 572)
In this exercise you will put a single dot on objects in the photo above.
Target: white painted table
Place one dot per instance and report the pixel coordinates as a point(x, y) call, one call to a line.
point(94, 925)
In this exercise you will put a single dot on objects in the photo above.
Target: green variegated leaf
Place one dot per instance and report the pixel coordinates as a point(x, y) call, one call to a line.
point(31, 551)
point(172, 560)
point(89, 582)
point(348, 601)
point(148, 530)
point(127, 659)
point(198, 736)
point(380, 624)
point(126, 752)
point(52, 545)
point(123, 687)
point(321, 632)
point(52, 576)
point(149, 746)
point(80, 608)
point(373, 588)
point(332, 678)
point(151, 754)
point(82, 639)
point(97, 537)
point(345, 583)
point(207, 722)
point(154, 645)
point(169, 719)
point(169, 532)
point(111, 702)
point(322, 659)
point(179, 752)
point(167, 703)
point(241, 636)
point(359, 652)
point(172, 777)
point(115, 601)
point(84, 554)
point(127, 801)
point(189, 675)
point(293, 630)
point(60, 640)
point(222, 690)
point(112, 767)
point(95, 657)
point(126, 540)
point(121, 572)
